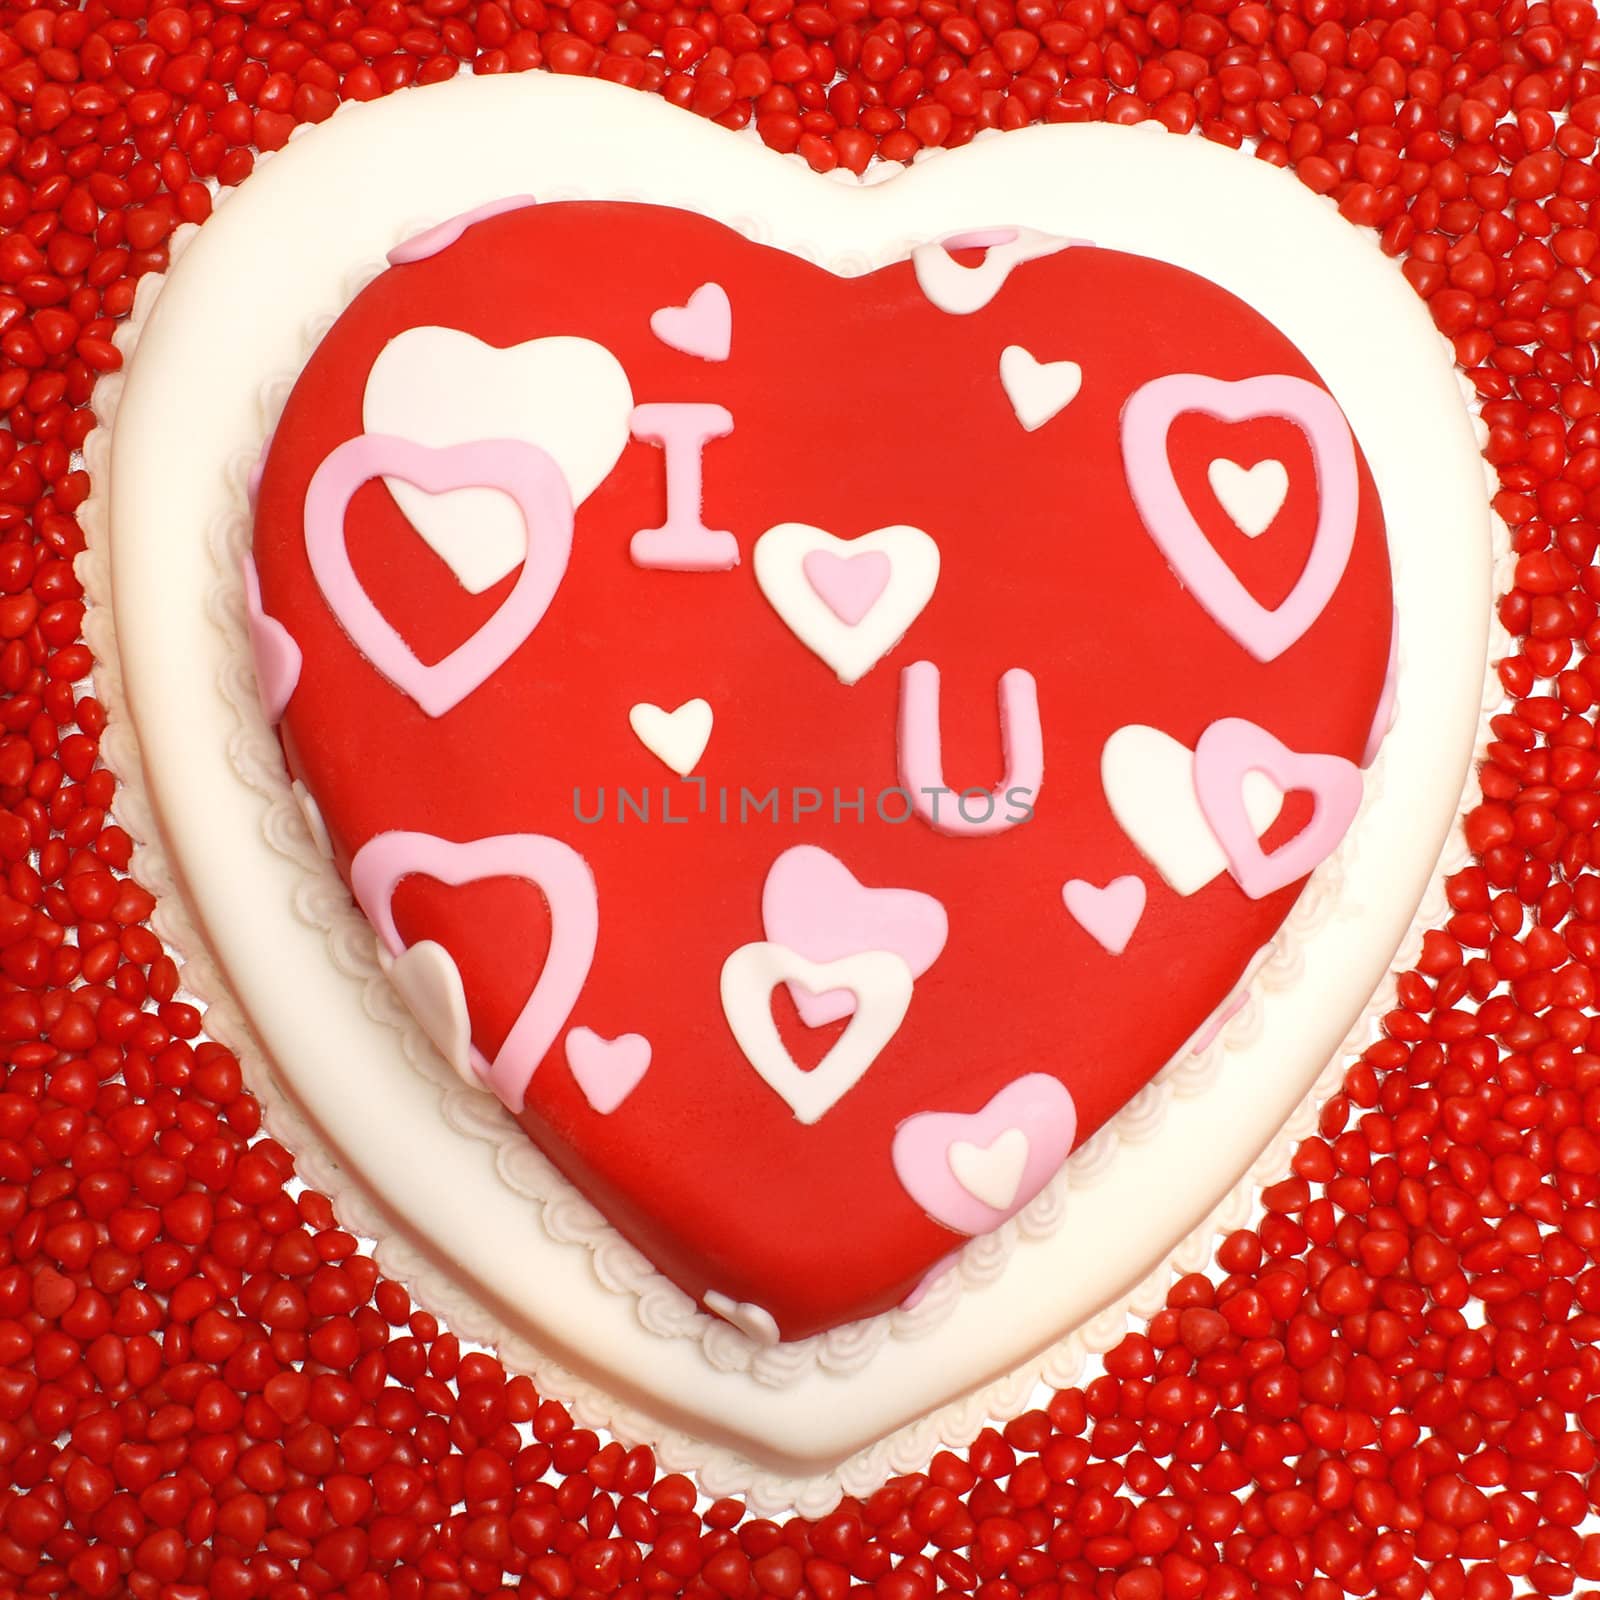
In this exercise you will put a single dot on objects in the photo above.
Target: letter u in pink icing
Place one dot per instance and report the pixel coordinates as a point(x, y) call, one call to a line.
point(922, 754)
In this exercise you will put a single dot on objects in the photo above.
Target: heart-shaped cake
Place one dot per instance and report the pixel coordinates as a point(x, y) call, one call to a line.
point(863, 890)
point(821, 746)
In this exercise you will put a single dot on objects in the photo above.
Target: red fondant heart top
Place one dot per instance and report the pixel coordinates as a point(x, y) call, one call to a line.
point(855, 405)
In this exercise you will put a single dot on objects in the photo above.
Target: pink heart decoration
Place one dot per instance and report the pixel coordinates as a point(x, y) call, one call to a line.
point(607, 1070)
point(1147, 418)
point(559, 873)
point(428, 243)
point(703, 327)
point(1212, 1031)
point(1229, 749)
point(848, 585)
point(1108, 915)
point(813, 904)
point(272, 648)
point(925, 1147)
point(924, 1286)
point(517, 467)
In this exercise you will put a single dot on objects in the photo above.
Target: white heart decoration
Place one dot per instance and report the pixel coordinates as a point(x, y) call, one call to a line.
point(1252, 496)
point(1148, 778)
point(851, 649)
point(881, 983)
point(755, 1322)
point(312, 812)
point(993, 1172)
point(960, 290)
point(439, 386)
point(427, 979)
point(677, 738)
point(1037, 389)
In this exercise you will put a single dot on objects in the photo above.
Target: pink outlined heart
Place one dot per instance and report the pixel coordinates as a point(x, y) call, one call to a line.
point(555, 869)
point(1233, 747)
point(702, 327)
point(962, 1168)
point(517, 467)
point(1265, 631)
point(813, 904)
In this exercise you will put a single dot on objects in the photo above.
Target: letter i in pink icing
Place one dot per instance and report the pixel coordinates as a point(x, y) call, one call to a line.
point(683, 543)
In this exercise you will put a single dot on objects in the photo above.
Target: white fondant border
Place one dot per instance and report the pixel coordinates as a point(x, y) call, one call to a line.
point(322, 900)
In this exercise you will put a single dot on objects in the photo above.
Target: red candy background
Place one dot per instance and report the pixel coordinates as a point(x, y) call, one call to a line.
point(1044, 565)
point(1387, 1385)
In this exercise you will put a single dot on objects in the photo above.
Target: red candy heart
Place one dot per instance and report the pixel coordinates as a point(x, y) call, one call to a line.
point(857, 405)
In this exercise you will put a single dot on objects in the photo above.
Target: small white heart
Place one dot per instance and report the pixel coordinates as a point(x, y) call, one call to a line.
point(991, 1173)
point(678, 738)
point(755, 1322)
point(427, 979)
point(312, 812)
point(1037, 389)
point(440, 386)
point(1252, 496)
